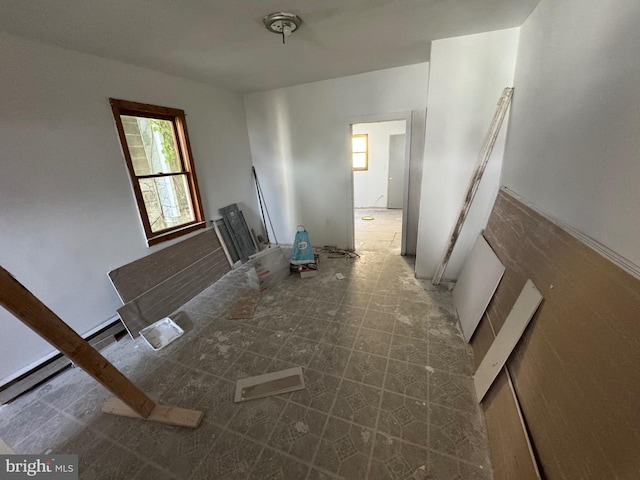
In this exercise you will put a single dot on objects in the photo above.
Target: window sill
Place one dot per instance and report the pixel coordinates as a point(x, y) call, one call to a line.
point(175, 233)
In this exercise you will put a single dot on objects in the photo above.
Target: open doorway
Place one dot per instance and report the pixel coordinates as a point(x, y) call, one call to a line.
point(379, 164)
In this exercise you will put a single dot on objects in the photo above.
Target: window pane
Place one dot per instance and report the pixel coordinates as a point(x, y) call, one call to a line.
point(151, 144)
point(167, 201)
point(359, 144)
point(360, 161)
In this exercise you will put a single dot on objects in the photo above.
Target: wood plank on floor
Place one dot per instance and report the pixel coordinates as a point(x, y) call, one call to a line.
point(169, 414)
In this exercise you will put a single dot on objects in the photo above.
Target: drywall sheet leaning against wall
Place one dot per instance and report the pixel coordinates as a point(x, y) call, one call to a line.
point(158, 284)
point(512, 329)
point(575, 369)
point(476, 284)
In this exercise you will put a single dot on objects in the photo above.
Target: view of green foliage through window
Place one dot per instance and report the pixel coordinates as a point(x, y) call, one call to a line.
point(162, 173)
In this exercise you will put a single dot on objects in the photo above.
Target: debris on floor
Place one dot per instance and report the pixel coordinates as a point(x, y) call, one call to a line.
point(245, 306)
point(274, 383)
point(422, 474)
point(340, 276)
point(161, 333)
point(334, 252)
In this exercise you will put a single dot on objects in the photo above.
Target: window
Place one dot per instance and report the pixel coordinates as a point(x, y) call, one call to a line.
point(156, 148)
point(360, 151)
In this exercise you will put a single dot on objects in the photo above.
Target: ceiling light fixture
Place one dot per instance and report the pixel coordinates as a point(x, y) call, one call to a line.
point(282, 23)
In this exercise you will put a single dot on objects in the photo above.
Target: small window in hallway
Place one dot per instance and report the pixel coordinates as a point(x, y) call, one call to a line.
point(156, 149)
point(360, 152)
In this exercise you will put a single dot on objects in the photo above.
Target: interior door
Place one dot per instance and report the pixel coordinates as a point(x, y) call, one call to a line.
point(395, 189)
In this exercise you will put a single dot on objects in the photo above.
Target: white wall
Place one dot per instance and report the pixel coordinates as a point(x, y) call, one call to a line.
point(300, 145)
point(574, 140)
point(67, 213)
point(370, 186)
point(468, 75)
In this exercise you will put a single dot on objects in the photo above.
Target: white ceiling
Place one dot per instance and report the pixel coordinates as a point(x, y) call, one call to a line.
point(224, 42)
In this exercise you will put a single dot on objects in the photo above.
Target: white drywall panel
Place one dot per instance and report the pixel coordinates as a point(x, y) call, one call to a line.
point(68, 213)
point(480, 276)
point(370, 186)
point(512, 329)
point(467, 77)
point(573, 142)
point(300, 145)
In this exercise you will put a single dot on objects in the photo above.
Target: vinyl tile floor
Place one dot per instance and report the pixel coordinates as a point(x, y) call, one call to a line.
point(382, 234)
point(387, 374)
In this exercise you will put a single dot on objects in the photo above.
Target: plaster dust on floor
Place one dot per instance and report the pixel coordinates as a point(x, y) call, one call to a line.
point(388, 387)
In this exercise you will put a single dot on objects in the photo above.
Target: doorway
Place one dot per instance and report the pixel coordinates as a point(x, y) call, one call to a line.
point(379, 158)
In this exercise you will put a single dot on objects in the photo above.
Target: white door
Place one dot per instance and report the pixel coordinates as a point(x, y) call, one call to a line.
point(395, 189)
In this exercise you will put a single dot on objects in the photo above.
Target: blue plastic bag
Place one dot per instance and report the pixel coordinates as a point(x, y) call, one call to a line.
point(302, 249)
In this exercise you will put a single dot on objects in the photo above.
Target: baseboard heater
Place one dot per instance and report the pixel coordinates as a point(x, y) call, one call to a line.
point(47, 369)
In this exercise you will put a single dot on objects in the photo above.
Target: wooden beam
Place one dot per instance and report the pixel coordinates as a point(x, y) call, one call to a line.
point(37, 316)
point(481, 164)
point(168, 414)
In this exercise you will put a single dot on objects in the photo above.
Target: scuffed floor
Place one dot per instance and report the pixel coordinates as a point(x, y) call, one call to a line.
point(382, 234)
point(388, 388)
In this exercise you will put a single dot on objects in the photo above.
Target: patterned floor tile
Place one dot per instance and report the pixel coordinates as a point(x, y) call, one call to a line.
point(324, 308)
point(216, 358)
point(319, 392)
point(366, 368)
point(405, 418)
point(358, 299)
point(298, 350)
point(268, 343)
point(113, 464)
point(453, 391)
point(395, 460)
point(450, 358)
point(372, 341)
point(409, 350)
point(247, 365)
point(357, 403)
point(408, 379)
point(218, 405)
point(330, 359)
point(311, 327)
point(232, 457)
point(344, 449)
point(458, 434)
point(190, 389)
point(258, 418)
point(340, 335)
point(383, 362)
point(19, 420)
point(273, 465)
point(381, 321)
point(298, 431)
point(349, 315)
point(383, 303)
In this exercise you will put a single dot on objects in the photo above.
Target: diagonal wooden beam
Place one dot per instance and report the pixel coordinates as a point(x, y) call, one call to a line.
point(481, 164)
point(132, 402)
point(37, 316)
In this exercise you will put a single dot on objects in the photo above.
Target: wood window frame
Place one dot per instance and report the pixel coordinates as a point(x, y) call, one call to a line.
point(178, 119)
point(366, 152)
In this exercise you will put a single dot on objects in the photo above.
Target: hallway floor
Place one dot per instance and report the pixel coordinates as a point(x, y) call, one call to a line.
point(387, 374)
point(382, 234)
